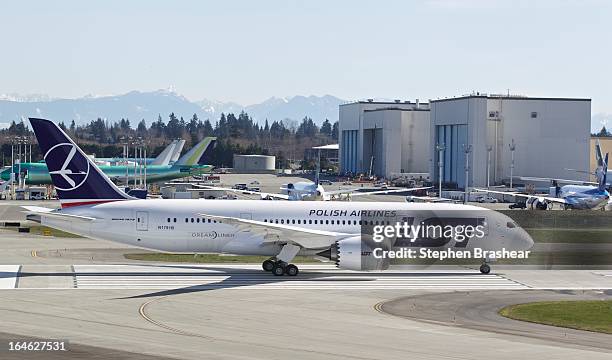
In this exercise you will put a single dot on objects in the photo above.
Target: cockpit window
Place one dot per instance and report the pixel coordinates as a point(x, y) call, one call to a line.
point(511, 225)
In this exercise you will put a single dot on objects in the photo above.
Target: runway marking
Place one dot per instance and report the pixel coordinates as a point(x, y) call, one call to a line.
point(8, 276)
point(33, 253)
point(251, 277)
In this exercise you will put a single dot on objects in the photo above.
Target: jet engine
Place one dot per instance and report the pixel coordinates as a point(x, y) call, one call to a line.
point(538, 203)
point(354, 253)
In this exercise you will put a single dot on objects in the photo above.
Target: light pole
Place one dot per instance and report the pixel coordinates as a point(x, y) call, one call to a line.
point(489, 149)
point(512, 146)
point(440, 148)
point(467, 149)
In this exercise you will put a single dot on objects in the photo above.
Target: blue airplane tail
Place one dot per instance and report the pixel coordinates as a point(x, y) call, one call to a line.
point(77, 179)
point(604, 174)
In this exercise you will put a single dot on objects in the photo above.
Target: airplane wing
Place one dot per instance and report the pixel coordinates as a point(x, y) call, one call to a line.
point(526, 196)
point(262, 194)
point(52, 213)
point(431, 199)
point(306, 238)
point(356, 192)
point(560, 181)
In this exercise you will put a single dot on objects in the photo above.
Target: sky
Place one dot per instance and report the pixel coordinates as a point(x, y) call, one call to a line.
point(248, 51)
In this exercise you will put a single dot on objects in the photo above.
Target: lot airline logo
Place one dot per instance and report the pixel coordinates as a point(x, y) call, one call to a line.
point(66, 166)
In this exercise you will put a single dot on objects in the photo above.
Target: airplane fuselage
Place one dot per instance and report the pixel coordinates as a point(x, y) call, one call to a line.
point(178, 226)
point(38, 173)
point(584, 197)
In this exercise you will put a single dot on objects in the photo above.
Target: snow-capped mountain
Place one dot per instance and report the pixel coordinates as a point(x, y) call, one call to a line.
point(26, 98)
point(134, 105)
point(137, 105)
point(295, 108)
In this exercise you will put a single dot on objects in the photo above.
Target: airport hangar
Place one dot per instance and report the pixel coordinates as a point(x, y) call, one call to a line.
point(550, 135)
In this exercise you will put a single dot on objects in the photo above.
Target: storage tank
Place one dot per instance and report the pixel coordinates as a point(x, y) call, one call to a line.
point(254, 163)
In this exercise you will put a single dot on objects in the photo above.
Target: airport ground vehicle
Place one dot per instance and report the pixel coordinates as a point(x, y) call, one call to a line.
point(240, 186)
point(94, 207)
point(518, 205)
point(486, 199)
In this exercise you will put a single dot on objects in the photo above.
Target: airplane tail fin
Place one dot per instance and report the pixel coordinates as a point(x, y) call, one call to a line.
point(166, 155)
point(598, 153)
point(198, 153)
point(604, 174)
point(77, 179)
point(177, 151)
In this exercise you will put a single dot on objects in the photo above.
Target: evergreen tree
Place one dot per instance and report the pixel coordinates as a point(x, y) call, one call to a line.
point(603, 132)
point(326, 128)
point(334, 134)
point(142, 128)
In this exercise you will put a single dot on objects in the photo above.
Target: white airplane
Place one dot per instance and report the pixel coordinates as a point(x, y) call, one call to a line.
point(577, 195)
point(302, 191)
point(97, 209)
point(169, 155)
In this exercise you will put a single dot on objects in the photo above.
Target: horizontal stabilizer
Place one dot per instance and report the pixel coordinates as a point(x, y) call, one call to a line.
point(43, 211)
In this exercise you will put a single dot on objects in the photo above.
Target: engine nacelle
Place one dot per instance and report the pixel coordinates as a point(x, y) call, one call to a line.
point(538, 203)
point(354, 253)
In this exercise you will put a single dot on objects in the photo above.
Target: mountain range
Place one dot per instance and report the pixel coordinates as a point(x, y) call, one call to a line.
point(137, 105)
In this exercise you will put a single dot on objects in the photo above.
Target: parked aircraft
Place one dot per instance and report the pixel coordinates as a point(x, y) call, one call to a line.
point(93, 206)
point(579, 197)
point(187, 165)
point(303, 191)
point(169, 155)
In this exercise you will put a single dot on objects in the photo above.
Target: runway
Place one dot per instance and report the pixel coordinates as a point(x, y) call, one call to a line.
point(194, 277)
point(312, 277)
point(106, 306)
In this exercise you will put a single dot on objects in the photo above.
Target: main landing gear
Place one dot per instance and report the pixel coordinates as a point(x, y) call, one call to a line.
point(279, 265)
point(279, 268)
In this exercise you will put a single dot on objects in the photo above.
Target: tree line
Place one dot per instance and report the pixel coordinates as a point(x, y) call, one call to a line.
point(286, 139)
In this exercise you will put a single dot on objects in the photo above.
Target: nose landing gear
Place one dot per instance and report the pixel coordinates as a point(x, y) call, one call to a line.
point(485, 268)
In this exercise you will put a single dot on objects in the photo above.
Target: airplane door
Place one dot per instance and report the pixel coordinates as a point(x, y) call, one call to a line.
point(142, 220)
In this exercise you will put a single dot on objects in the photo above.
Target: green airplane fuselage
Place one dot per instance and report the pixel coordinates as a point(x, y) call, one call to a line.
point(38, 174)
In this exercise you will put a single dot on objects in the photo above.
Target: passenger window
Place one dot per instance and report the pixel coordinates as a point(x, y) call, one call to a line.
point(310, 222)
point(511, 225)
point(186, 220)
point(326, 222)
point(174, 219)
point(168, 219)
point(282, 221)
point(293, 221)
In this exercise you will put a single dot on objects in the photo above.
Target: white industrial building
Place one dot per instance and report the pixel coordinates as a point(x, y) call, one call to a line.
point(254, 163)
point(550, 135)
point(384, 138)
